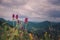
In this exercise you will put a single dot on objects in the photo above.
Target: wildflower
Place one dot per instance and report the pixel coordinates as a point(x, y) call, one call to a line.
point(16, 20)
point(26, 20)
point(16, 16)
point(13, 16)
point(31, 37)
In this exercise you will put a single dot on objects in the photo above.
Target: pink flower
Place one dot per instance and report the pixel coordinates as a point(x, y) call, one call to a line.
point(13, 16)
point(26, 20)
point(16, 16)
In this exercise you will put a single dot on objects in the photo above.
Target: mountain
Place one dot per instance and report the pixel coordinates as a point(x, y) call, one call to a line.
point(4, 22)
point(11, 23)
point(1, 21)
point(42, 26)
point(39, 25)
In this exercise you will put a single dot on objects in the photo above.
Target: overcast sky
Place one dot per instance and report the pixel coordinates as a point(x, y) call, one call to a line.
point(35, 10)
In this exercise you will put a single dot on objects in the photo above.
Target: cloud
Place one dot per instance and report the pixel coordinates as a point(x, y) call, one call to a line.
point(11, 3)
point(54, 2)
point(35, 10)
point(54, 13)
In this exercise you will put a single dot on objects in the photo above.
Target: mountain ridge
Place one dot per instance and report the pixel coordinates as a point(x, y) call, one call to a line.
point(41, 25)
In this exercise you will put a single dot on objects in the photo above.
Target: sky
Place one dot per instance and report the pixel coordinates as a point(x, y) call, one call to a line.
point(34, 10)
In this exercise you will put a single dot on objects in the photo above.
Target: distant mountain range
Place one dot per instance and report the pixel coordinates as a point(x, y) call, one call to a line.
point(35, 25)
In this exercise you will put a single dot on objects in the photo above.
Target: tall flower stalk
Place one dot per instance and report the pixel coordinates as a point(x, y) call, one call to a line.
point(16, 20)
point(13, 16)
point(26, 23)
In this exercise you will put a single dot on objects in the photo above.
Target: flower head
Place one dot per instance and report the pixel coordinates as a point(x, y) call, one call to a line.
point(26, 20)
point(13, 16)
point(16, 16)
